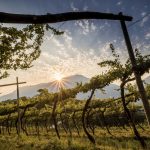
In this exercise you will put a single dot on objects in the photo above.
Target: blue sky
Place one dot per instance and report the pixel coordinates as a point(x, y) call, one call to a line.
point(86, 42)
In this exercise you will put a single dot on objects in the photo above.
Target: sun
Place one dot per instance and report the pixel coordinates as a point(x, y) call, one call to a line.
point(59, 80)
point(58, 76)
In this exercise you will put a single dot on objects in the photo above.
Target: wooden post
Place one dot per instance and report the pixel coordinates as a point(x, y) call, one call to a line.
point(18, 109)
point(136, 71)
point(17, 83)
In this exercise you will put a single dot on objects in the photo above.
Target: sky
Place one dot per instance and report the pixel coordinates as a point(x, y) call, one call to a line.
point(85, 42)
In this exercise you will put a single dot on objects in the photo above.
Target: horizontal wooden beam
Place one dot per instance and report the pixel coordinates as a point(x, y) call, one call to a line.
point(54, 18)
point(12, 84)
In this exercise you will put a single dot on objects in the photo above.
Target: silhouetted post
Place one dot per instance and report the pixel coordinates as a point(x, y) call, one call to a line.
point(18, 109)
point(136, 71)
point(17, 83)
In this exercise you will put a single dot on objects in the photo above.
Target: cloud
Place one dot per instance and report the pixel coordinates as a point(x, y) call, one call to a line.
point(101, 27)
point(86, 26)
point(147, 36)
point(85, 8)
point(119, 3)
point(105, 51)
point(65, 57)
point(143, 14)
point(73, 7)
point(144, 20)
point(73, 65)
point(57, 43)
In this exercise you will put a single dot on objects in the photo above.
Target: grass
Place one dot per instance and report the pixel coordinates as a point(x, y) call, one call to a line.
point(121, 140)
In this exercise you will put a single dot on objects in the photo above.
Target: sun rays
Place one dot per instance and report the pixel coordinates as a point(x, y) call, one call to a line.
point(58, 76)
point(59, 81)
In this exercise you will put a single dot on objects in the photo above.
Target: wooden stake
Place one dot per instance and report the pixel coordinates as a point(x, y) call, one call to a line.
point(17, 83)
point(136, 71)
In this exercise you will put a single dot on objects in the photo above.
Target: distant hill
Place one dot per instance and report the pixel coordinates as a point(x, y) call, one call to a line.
point(109, 91)
point(69, 82)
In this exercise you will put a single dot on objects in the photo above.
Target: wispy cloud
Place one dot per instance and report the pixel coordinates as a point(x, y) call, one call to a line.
point(73, 7)
point(86, 26)
point(147, 36)
point(119, 3)
point(85, 8)
point(144, 20)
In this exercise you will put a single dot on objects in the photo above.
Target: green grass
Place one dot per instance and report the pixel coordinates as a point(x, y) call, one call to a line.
point(121, 140)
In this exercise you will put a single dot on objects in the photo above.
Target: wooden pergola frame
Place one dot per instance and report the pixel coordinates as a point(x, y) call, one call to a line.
point(69, 16)
point(54, 18)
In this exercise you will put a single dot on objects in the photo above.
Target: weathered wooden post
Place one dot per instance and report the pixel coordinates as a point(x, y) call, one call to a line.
point(135, 70)
point(17, 83)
